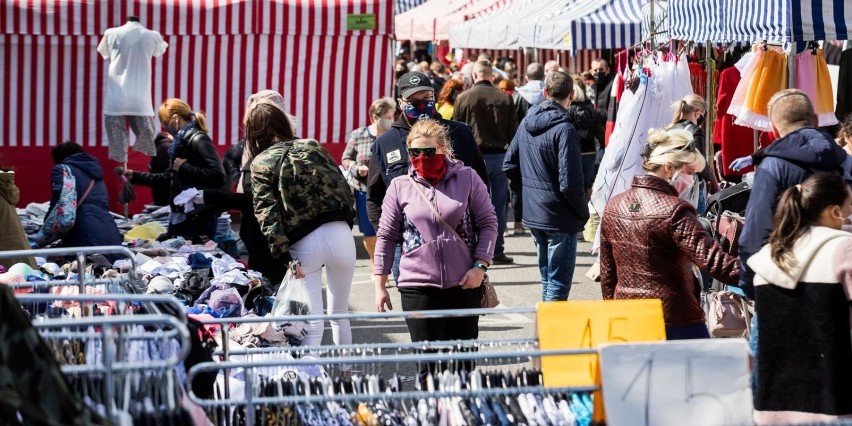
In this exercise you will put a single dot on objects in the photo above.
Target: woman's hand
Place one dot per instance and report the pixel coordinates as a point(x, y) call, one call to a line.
point(177, 163)
point(383, 302)
point(298, 272)
point(363, 170)
point(472, 278)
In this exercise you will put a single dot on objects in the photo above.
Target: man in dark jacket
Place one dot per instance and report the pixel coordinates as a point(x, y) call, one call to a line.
point(603, 87)
point(800, 151)
point(545, 155)
point(492, 116)
point(389, 157)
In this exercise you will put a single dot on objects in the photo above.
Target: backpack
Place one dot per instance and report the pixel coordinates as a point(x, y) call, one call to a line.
point(314, 178)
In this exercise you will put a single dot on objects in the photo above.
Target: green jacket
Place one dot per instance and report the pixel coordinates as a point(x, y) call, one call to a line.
point(310, 192)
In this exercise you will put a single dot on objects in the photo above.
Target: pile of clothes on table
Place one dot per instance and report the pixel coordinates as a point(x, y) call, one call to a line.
point(215, 285)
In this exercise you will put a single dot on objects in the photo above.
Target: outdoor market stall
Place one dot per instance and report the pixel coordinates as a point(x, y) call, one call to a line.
point(219, 53)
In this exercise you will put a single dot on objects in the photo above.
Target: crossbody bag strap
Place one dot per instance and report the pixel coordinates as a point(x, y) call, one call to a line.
point(86, 194)
point(438, 215)
point(284, 153)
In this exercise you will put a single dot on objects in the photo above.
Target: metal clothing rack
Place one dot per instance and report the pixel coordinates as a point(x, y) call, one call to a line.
point(372, 354)
point(251, 401)
point(113, 331)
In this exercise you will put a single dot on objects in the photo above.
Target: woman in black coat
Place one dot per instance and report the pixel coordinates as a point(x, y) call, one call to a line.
point(194, 163)
point(94, 224)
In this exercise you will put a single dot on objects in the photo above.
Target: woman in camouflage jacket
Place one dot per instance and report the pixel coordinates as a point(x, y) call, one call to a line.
point(305, 209)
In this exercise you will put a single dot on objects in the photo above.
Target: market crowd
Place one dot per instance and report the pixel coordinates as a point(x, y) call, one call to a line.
point(430, 182)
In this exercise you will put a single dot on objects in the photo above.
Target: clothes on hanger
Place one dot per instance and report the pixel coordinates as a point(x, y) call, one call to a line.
point(541, 408)
point(660, 83)
point(812, 77)
point(736, 140)
point(765, 75)
point(844, 86)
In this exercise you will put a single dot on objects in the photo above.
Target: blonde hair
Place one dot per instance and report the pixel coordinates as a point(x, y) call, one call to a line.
point(687, 105)
point(579, 88)
point(175, 106)
point(381, 107)
point(673, 147)
point(430, 129)
point(791, 110)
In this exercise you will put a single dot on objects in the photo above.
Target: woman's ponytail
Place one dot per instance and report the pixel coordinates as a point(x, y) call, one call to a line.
point(788, 228)
point(799, 208)
point(201, 121)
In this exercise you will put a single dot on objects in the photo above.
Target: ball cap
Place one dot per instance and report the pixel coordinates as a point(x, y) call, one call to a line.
point(413, 82)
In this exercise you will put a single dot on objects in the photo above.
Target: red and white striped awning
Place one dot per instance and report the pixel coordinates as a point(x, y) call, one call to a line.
point(220, 52)
point(431, 20)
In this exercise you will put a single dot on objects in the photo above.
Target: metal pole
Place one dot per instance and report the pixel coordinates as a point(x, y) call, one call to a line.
point(81, 280)
point(226, 354)
point(110, 384)
point(249, 396)
point(708, 138)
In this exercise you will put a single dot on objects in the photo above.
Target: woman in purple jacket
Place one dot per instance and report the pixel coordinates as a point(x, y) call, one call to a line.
point(436, 271)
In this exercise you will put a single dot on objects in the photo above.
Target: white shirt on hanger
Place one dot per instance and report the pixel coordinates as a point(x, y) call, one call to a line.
point(128, 49)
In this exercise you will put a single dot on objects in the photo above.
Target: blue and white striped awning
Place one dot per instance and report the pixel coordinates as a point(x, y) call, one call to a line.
point(616, 24)
point(770, 20)
point(401, 6)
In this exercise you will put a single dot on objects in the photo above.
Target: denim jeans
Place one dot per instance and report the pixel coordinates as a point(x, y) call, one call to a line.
point(557, 256)
point(499, 194)
point(752, 343)
point(696, 331)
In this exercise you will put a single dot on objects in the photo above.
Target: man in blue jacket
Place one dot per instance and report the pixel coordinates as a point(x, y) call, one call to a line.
point(545, 156)
point(389, 158)
point(800, 151)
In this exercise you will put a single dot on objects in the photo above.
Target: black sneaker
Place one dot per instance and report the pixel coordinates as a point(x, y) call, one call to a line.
point(502, 259)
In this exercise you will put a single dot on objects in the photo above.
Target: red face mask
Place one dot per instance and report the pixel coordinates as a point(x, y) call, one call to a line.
point(430, 168)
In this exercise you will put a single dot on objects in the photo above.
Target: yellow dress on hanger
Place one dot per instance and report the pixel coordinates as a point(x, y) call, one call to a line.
point(769, 77)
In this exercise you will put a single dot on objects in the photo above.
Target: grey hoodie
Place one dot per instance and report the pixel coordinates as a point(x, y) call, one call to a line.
point(533, 92)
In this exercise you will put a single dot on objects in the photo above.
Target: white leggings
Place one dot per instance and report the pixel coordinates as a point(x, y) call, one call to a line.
point(332, 245)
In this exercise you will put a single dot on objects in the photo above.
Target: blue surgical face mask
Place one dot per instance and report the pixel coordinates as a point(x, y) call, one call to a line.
point(419, 110)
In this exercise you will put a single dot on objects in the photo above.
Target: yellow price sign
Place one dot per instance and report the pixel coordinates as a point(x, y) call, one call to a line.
point(587, 324)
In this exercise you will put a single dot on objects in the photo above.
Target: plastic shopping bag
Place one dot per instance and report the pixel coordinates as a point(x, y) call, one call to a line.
point(292, 300)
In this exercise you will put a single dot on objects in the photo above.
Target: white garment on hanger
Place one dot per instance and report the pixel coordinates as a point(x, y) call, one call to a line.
point(129, 49)
point(649, 108)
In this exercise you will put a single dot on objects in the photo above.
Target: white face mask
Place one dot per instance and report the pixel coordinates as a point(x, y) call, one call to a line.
point(681, 181)
point(847, 224)
point(385, 124)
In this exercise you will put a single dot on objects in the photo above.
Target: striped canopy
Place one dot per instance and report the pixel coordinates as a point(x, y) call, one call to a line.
point(431, 21)
point(552, 31)
point(402, 6)
point(617, 24)
point(770, 20)
point(565, 25)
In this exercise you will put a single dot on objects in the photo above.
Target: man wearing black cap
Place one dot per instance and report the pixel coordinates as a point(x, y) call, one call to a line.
point(389, 155)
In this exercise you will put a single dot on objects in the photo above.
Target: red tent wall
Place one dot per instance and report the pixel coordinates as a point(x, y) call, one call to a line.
point(219, 53)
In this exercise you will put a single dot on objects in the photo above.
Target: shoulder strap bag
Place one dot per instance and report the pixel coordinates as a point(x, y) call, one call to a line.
point(489, 294)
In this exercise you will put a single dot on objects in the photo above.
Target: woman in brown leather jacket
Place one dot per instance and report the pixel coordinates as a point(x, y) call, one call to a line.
point(650, 238)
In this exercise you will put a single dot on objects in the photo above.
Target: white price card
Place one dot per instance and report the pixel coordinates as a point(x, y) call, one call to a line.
point(694, 382)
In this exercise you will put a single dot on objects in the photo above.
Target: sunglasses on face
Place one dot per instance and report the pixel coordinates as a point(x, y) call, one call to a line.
point(428, 152)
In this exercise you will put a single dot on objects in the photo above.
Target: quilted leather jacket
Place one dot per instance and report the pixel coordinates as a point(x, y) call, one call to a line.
point(649, 239)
